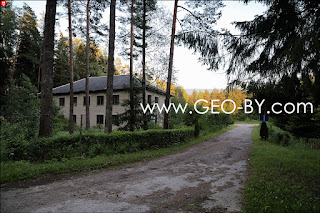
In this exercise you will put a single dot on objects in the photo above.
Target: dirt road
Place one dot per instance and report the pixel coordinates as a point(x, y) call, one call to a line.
point(207, 177)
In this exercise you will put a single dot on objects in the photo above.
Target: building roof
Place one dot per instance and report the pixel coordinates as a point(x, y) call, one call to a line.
point(96, 84)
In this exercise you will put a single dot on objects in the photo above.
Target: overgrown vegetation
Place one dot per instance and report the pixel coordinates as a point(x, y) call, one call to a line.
point(285, 174)
point(90, 144)
point(20, 170)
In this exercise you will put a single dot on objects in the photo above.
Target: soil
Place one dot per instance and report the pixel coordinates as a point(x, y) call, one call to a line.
point(208, 177)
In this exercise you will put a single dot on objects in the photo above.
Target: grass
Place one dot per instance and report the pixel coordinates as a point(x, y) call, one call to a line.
point(21, 170)
point(282, 179)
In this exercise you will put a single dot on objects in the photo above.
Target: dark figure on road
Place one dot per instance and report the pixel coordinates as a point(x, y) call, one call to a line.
point(264, 131)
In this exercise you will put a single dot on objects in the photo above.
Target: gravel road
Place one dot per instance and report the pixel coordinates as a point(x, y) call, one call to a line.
point(209, 177)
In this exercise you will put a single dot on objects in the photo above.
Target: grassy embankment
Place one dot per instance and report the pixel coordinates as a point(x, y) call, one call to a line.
point(282, 178)
point(21, 170)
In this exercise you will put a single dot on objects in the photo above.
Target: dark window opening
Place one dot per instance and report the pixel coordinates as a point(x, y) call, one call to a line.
point(74, 118)
point(149, 99)
point(84, 100)
point(75, 100)
point(115, 99)
point(100, 100)
point(99, 119)
point(61, 101)
point(156, 99)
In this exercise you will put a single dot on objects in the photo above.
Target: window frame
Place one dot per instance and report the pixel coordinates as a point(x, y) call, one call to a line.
point(75, 101)
point(113, 100)
point(102, 97)
point(60, 101)
point(98, 119)
point(84, 100)
point(149, 99)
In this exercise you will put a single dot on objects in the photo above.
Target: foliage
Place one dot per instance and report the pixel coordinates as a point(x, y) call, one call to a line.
point(275, 55)
point(20, 170)
point(28, 59)
point(21, 109)
point(61, 62)
point(125, 118)
point(91, 144)
point(196, 129)
point(97, 60)
point(282, 179)
point(60, 124)
point(8, 37)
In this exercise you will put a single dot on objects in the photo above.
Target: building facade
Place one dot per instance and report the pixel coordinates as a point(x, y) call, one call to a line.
point(97, 100)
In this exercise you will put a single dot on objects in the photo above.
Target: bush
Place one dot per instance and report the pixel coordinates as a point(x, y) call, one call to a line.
point(93, 144)
point(280, 136)
point(196, 130)
point(60, 124)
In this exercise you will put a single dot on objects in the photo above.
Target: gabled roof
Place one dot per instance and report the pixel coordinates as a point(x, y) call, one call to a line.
point(96, 84)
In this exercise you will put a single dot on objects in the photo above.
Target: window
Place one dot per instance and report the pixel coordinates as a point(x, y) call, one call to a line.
point(99, 119)
point(156, 99)
point(115, 120)
point(84, 100)
point(100, 100)
point(61, 101)
point(149, 99)
point(75, 100)
point(74, 118)
point(115, 99)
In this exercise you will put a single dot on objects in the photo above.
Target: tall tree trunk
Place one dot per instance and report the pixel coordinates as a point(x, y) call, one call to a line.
point(39, 70)
point(167, 101)
point(71, 129)
point(45, 129)
point(131, 120)
point(145, 121)
point(109, 92)
point(87, 68)
point(16, 54)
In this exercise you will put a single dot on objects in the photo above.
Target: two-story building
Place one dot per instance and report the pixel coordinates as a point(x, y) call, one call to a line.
point(97, 99)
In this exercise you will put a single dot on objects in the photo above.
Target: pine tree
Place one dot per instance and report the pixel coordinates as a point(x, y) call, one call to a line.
point(28, 52)
point(109, 92)
point(61, 63)
point(45, 129)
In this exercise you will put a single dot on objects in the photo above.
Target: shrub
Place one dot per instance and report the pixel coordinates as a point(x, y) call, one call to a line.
point(196, 129)
point(92, 144)
point(280, 136)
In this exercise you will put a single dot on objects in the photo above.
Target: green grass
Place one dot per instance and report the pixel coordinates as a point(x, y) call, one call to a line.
point(282, 179)
point(21, 170)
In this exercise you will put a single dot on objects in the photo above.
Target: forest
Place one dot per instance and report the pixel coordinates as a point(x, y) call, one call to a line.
point(275, 56)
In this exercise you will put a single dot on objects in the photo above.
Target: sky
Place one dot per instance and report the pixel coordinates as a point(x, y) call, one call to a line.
point(184, 60)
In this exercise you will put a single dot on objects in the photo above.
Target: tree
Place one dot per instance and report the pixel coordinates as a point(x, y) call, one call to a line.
point(141, 23)
point(61, 62)
point(109, 91)
point(79, 59)
point(167, 100)
point(45, 129)
point(71, 128)
point(131, 120)
point(28, 48)
point(87, 67)
point(124, 118)
point(8, 37)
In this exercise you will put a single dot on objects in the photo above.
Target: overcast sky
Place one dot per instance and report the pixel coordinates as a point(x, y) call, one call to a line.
point(184, 61)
